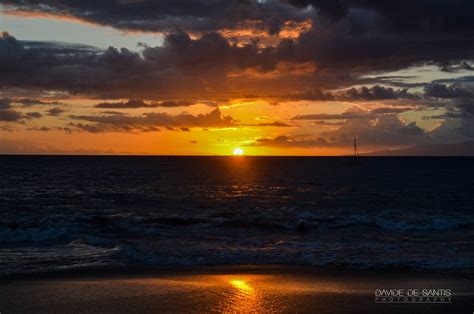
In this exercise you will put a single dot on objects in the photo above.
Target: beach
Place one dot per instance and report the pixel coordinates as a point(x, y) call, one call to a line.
point(243, 289)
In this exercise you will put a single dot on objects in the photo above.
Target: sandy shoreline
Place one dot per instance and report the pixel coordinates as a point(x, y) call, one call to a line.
point(245, 289)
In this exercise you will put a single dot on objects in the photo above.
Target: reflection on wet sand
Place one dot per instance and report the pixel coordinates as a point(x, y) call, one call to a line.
point(242, 298)
point(246, 293)
point(259, 293)
point(289, 291)
point(241, 285)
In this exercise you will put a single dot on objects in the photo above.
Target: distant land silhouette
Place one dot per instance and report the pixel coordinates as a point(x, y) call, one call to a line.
point(456, 149)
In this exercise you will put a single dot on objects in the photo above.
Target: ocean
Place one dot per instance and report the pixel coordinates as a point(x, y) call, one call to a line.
point(83, 212)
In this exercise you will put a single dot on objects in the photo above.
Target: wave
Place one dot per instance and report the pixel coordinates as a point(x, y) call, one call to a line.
point(286, 219)
point(72, 255)
point(418, 239)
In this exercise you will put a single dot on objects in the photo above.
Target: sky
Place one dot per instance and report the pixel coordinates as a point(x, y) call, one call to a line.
point(203, 77)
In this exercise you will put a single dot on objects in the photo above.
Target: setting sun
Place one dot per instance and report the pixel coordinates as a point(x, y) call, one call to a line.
point(238, 151)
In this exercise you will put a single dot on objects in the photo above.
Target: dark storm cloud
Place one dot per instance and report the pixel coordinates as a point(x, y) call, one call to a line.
point(462, 109)
point(378, 52)
point(203, 15)
point(331, 8)
point(377, 93)
point(390, 110)
point(180, 65)
point(57, 66)
point(55, 111)
point(458, 80)
point(276, 124)
point(438, 90)
point(148, 122)
point(284, 141)
point(32, 115)
point(338, 116)
point(457, 67)
point(28, 102)
point(132, 104)
point(365, 93)
point(308, 94)
point(10, 115)
point(175, 103)
point(430, 16)
point(388, 35)
point(398, 81)
point(165, 15)
point(185, 65)
point(349, 39)
point(41, 129)
point(467, 107)
point(458, 100)
point(5, 103)
point(402, 16)
point(355, 113)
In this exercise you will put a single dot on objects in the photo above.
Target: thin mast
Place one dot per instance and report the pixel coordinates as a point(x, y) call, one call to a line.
point(356, 152)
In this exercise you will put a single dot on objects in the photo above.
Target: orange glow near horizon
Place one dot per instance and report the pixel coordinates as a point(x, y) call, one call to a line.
point(253, 122)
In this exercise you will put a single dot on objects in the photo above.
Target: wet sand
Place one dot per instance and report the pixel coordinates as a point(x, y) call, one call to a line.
point(228, 290)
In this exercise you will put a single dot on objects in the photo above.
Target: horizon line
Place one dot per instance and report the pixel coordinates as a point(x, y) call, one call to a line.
point(368, 155)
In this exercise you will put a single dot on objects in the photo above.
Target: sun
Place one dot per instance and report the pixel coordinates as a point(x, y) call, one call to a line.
point(238, 151)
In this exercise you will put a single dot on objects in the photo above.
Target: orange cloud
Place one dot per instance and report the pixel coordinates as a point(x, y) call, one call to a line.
point(293, 29)
point(250, 31)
